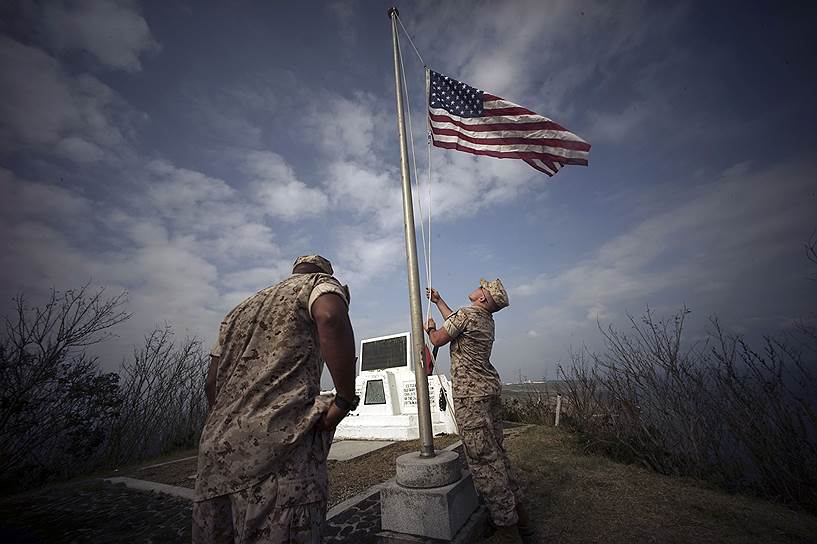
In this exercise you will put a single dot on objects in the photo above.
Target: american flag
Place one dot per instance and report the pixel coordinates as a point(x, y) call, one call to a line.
point(468, 119)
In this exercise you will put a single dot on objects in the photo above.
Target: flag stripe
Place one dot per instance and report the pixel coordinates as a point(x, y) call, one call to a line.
point(508, 137)
point(539, 165)
point(502, 123)
point(514, 111)
point(496, 103)
point(508, 154)
point(475, 143)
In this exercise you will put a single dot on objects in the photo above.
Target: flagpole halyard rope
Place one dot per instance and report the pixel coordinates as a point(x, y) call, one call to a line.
point(426, 253)
point(410, 41)
point(426, 244)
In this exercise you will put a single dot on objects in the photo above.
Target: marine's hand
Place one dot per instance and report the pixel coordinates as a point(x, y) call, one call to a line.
point(433, 295)
point(331, 418)
point(430, 325)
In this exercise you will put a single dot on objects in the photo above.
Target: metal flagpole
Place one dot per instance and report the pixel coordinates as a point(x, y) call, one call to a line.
point(417, 331)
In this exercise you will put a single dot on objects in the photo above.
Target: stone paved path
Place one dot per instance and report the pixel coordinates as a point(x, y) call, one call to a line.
point(102, 512)
point(358, 524)
point(94, 511)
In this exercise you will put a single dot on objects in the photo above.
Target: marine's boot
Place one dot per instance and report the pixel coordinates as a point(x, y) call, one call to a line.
point(507, 535)
point(525, 528)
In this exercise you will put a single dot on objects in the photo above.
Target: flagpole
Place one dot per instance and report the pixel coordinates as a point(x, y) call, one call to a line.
point(417, 331)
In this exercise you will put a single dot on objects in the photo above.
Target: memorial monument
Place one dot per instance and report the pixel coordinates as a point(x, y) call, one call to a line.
point(387, 389)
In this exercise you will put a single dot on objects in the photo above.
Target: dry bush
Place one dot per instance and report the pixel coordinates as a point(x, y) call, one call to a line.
point(163, 400)
point(55, 405)
point(60, 416)
point(717, 410)
point(811, 252)
point(536, 406)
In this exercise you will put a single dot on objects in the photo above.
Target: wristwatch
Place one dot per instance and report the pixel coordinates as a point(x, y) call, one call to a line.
point(345, 405)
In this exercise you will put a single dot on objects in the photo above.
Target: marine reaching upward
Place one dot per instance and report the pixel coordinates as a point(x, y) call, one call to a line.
point(477, 404)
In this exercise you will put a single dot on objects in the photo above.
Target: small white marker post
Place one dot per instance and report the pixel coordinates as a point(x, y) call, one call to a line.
point(558, 409)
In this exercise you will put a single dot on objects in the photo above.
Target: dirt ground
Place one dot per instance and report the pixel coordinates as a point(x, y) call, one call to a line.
point(346, 478)
point(578, 498)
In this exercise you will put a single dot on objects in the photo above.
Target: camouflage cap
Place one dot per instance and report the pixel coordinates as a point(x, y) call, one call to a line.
point(497, 291)
point(317, 260)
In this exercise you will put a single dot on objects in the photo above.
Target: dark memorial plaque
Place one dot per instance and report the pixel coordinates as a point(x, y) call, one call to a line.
point(386, 353)
point(375, 394)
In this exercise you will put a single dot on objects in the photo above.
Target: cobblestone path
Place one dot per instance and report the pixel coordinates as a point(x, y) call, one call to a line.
point(359, 523)
point(102, 512)
point(94, 511)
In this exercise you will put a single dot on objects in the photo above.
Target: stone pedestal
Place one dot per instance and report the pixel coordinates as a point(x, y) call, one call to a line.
point(430, 498)
point(426, 472)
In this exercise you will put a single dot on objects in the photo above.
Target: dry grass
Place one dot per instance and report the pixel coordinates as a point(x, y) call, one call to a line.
point(346, 478)
point(575, 497)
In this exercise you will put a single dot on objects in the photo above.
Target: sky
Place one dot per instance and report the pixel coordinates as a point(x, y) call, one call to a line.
point(188, 152)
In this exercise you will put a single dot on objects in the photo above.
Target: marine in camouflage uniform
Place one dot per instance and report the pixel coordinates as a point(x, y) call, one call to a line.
point(477, 388)
point(262, 455)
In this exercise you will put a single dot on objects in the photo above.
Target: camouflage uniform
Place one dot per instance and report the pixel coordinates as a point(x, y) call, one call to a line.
point(477, 406)
point(262, 463)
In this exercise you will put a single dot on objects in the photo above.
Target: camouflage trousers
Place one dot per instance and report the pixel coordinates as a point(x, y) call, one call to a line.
point(288, 506)
point(252, 515)
point(480, 425)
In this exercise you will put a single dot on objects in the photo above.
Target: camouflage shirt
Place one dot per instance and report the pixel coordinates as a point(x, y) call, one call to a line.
point(472, 336)
point(267, 388)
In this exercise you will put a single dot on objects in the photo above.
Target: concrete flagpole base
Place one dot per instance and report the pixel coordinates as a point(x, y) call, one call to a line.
point(430, 497)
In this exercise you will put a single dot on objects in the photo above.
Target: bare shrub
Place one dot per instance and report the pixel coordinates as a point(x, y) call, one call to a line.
point(60, 416)
point(533, 407)
point(163, 401)
point(811, 252)
point(55, 405)
point(717, 410)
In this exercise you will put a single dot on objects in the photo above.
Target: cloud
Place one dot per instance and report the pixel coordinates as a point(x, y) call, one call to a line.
point(366, 254)
point(180, 247)
point(278, 190)
point(79, 150)
point(579, 79)
point(608, 126)
point(463, 184)
point(36, 102)
point(255, 277)
point(186, 197)
point(344, 15)
point(226, 224)
point(350, 127)
point(713, 251)
point(112, 31)
point(46, 108)
point(234, 113)
point(368, 194)
point(29, 199)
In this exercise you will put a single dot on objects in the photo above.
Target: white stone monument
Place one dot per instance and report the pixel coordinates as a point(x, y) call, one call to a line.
point(388, 399)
